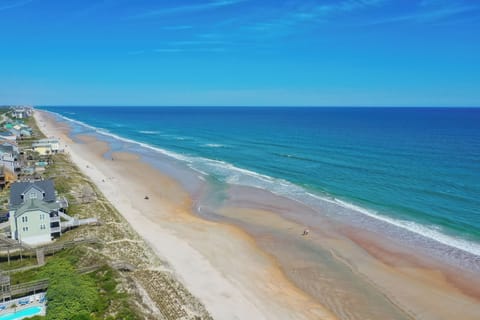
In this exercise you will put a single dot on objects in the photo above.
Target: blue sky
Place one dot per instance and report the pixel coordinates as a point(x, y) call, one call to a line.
point(240, 52)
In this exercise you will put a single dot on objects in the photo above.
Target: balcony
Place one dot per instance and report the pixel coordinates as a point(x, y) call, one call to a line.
point(54, 219)
point(63, 202)
point(55, 229)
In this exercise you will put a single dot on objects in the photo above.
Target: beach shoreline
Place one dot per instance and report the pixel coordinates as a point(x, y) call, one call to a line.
point(228, 290)
point(279, 259)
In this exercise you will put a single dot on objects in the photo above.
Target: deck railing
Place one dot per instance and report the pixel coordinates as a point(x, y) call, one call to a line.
point(55, 229)
point(24, 288)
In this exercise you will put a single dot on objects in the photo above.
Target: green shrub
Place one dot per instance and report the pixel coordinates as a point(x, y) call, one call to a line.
point(69, 294)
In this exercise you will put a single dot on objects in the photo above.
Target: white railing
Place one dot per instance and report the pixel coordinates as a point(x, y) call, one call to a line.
point(55, 229)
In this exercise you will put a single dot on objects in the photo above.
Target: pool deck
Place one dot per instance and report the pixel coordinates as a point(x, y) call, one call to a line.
point(34, 301)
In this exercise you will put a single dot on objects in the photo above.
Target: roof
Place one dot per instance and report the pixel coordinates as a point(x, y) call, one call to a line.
point(49, 140)
point(45, 142)
point(8, 143)
point(19, 188)
point(36, 204)
point(6, 149)
point(40, 144)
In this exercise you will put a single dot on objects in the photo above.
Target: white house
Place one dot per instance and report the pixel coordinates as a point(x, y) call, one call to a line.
point(34, 212)
point(8, 157)
point(46, 146)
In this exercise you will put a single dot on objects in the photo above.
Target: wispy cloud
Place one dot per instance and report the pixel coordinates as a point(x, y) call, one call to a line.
point(14, 4)
point(169, 50)
point(215, 4)
point(427, 3)
point(191, 49)
point(266, 23)
point(309, 13)
point(196, 43)
point(429, 11)
point(177, 28)
point(200, 45)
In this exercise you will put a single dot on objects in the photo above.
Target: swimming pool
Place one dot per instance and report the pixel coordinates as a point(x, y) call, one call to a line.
point(29, 312)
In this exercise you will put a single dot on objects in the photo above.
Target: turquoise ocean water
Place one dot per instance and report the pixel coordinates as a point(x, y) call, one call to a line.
point(416, 168)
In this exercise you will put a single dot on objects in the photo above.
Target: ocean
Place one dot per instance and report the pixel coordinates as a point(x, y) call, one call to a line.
point(415, 168)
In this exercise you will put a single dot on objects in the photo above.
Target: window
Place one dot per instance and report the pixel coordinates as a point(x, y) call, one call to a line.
point(33, 195)
point(43, 227)
point(24, 219)
point(25, 229)
point(42, 216)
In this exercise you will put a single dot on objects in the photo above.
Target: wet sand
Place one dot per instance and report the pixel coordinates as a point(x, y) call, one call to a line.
point(248, 260)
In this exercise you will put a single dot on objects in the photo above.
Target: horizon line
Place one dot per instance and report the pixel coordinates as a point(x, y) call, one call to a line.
point(247, 106)
point(240, 106)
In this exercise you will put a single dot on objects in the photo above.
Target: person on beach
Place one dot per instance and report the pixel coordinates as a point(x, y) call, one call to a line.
point(305, 232)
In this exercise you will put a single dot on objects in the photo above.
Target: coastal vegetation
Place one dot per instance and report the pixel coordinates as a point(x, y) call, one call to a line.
point(73, 295)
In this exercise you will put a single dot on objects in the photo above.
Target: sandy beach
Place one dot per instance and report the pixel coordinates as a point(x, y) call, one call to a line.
point(219, 264)
point(251, 262)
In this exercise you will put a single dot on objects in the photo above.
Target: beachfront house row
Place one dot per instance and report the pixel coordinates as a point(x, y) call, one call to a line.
point(18, 129)
point(34, 212)
point(46, 146)
point(21, 112)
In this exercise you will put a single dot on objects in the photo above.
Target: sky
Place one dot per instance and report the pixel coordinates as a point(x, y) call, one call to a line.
point(240, 52)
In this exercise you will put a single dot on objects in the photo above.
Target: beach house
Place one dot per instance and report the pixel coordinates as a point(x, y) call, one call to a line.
point(9, 156)
point(7, 135)
point(46, 146)
point(34, 212)
point(12, 144)
point(26, 132)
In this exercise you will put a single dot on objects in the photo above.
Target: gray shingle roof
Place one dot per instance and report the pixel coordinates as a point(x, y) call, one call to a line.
point(19, 188)
point(35, 204)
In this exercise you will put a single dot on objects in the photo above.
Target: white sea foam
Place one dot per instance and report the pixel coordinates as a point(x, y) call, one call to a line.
point(111, 135)
point(432, 232)
point(238, 176)
point(148, 132)
point(235, 175)
point(213, 145)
